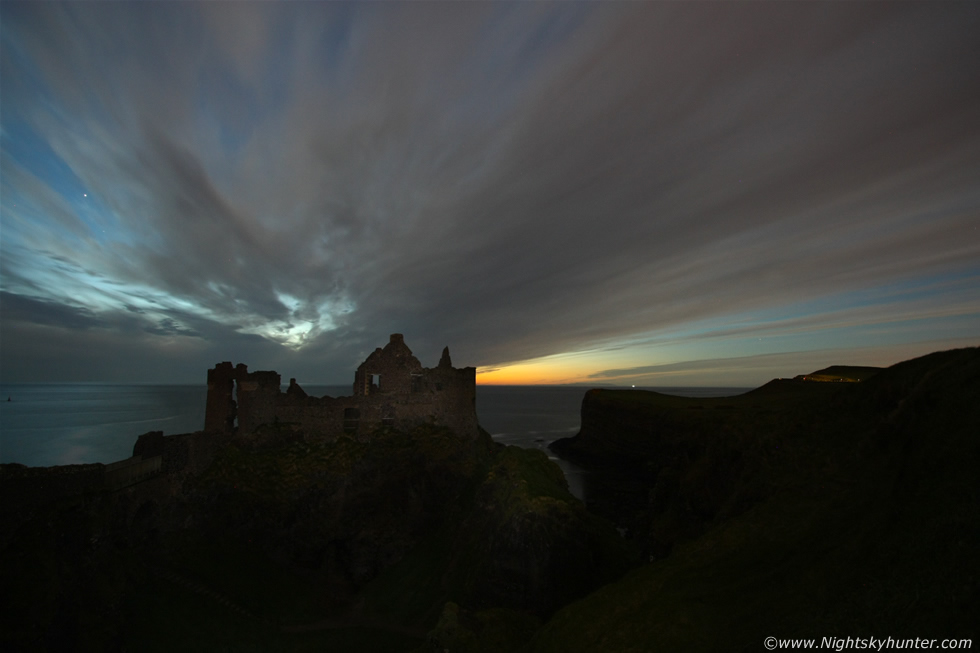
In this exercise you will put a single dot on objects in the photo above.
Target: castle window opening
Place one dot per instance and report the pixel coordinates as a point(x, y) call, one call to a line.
point(416, 383)
point(234, 403)
point(374, 383)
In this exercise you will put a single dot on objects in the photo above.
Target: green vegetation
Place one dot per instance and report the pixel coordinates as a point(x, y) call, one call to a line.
point(486, 631)
point(314, 545)
point(165, 616)
point(795, 510)
point(853, 513)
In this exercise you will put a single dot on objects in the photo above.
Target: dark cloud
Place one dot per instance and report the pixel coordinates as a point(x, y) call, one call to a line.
point(513, 180)
point(753, 371)
point(668, 369)
point(20, 308)
point(169, 327)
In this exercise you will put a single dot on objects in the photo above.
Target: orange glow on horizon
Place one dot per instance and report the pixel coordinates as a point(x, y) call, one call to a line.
point(540, 372)
point(558, 369)
point(511, 376)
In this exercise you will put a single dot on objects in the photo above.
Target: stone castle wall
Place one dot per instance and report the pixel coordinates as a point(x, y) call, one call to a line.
point(130, 471)
point(391, 388)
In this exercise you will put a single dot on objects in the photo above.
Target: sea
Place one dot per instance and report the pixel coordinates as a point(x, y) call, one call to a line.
point(47, 424)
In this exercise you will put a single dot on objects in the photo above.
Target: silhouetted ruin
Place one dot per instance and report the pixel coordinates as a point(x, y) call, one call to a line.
point(391, 388)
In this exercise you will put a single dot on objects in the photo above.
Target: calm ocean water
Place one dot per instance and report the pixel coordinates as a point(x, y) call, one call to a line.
point(62, 424)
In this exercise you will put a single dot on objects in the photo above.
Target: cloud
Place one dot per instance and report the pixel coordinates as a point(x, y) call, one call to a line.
point(755, 370)
point(514, 181)
point(666, 370)
point(20, 308)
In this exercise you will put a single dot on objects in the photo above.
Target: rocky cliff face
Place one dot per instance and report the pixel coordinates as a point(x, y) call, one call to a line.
point(663, 467)
point(533, 546)
point(667, 467)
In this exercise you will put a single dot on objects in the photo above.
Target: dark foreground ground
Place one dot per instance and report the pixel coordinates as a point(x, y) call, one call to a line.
point(280, 542)
point(801, 509)
point(806, 508)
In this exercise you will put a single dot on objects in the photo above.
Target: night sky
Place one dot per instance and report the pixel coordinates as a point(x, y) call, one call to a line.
point(604, 193)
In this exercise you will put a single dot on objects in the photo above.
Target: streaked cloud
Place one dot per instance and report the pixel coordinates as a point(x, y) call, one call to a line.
point(597, 186)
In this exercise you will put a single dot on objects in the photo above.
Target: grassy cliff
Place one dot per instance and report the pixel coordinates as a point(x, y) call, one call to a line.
point(301, 544)
point(797, 510)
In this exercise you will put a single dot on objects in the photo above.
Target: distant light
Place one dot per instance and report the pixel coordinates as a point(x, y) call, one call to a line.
point(84, 194)
point(634, 386)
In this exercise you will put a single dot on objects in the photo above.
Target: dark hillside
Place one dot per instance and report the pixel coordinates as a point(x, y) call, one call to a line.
point(839, 509)
point(282, 542)
point(665, 467)
point(849, 373)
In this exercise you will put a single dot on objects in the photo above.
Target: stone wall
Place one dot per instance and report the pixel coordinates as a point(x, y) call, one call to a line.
point(258, 398)
point(391, 388)
point(132, 470)
point(220, 412)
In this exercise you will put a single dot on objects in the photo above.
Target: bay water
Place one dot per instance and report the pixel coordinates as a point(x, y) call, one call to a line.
point(70, 423)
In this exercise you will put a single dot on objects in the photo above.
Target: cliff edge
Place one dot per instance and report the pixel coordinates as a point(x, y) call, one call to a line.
point(796, 510)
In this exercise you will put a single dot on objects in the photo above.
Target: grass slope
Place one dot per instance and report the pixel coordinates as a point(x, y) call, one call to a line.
point(312, 546)
point(868, 527)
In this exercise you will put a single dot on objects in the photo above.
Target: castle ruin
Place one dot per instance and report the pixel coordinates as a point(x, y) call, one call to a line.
point(391, 388)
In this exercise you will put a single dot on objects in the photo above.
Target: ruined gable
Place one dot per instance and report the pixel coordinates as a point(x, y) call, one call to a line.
point(392, 370)
point(391, 388)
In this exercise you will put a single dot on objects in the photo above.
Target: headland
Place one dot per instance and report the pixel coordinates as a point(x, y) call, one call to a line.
point(842, 501)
